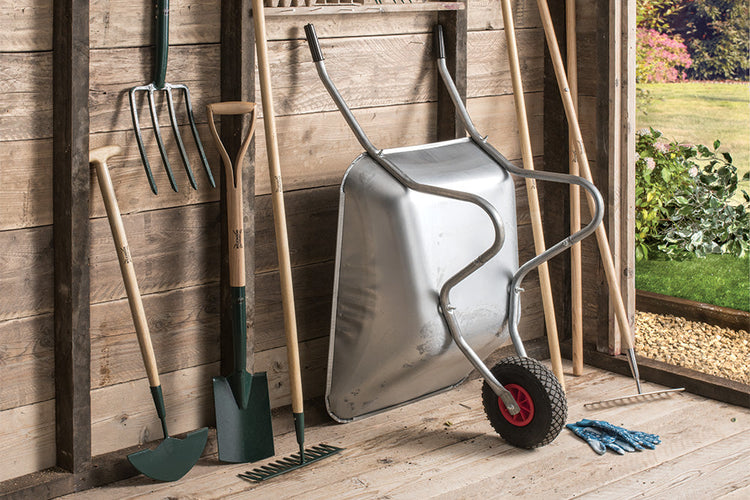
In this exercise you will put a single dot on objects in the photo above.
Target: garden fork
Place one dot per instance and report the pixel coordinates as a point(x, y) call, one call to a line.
point(161, 29)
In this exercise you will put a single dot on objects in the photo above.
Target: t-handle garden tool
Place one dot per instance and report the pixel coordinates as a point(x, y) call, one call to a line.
point(173, 458)
point(305, 456)
point(243, 406)
point(161, 29)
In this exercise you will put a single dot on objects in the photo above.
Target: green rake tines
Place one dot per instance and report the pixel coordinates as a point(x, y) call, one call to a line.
point(290, 463)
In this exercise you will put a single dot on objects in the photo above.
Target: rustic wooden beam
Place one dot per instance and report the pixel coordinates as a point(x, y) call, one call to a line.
point(70, 195)
point(454, 24)
point(693, 311)
point(237, 84)
point(555, 205)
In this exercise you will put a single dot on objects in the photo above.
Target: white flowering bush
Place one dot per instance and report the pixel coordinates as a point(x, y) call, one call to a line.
point(682, 200)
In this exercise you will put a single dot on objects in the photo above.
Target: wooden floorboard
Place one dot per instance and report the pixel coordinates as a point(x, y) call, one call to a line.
point(443, 447)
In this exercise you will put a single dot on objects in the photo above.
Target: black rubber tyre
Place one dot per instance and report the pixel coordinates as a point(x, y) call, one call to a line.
point(544, 408)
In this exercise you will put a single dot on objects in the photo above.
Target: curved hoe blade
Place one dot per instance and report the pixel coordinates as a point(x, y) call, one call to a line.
point(173, 458)
point(243, 429)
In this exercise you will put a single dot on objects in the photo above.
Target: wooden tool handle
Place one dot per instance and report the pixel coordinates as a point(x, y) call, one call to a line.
point(233, 175)
point(279, 212)
point(99, 158)
point(601, 235)
point(531, 190)
point(576, 277)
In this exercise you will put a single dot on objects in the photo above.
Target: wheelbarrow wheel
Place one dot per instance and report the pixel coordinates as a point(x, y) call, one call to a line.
point(544, 408)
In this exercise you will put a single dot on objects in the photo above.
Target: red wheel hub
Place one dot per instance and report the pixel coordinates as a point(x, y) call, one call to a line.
point(524, 401)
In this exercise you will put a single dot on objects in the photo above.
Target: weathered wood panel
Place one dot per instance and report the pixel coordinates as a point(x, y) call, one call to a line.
point(443, 447)
point(25, 96)
point(127, 23)
point(488, 66)
point(25, 25)
point(26, 361)
point(184, 331)
point(27, 439)
point(171, 249)
point(26, 189)
point(26, 272)
point(487, 14)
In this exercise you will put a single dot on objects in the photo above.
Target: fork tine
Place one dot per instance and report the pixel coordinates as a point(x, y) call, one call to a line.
point(159, 141)
point(194, 128)
point(139, 138)
point(178, 137)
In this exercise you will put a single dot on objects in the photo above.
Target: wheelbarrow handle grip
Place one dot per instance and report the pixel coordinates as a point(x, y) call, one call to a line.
point(312, 41)
point(439, 41)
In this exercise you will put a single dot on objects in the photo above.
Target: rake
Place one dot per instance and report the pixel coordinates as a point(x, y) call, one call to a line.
point(161, 28)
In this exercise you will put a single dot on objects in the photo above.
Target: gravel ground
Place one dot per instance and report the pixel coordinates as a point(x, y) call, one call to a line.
point(695, 345)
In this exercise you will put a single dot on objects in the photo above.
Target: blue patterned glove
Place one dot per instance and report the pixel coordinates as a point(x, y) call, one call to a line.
point(638, 440)
point(599, 441)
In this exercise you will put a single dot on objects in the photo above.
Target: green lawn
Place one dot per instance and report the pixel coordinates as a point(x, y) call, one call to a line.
point(721, 280)
point(699, 112)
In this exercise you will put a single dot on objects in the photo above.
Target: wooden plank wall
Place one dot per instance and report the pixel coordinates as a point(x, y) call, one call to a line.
point(383, 66)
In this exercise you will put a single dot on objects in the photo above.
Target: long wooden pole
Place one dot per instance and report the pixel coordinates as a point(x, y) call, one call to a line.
point(531, 190)
point(601, 235)
point(576, 280)
point(279, 212)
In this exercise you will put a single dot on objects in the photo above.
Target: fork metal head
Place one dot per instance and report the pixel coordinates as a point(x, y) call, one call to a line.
point(167, 88)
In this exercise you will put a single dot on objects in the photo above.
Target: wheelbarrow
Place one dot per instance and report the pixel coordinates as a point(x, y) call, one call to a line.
point(427, 282)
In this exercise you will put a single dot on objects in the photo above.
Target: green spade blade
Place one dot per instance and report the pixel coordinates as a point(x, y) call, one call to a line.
point(173, 458)
point(243, 423)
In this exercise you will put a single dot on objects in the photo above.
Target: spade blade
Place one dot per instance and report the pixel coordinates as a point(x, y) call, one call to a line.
point(243, 428)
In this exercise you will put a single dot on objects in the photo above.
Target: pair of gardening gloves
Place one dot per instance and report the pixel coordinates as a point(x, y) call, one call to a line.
point(601, 435)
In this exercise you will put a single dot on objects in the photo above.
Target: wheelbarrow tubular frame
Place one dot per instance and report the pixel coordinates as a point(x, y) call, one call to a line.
point(446, 308)
point(160, 84)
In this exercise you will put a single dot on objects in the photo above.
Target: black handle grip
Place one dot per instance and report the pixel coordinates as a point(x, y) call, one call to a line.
point(439, 42)
point(312, 41)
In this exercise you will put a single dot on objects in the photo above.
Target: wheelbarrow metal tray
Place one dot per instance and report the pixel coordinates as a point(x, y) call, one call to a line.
point(396, 247)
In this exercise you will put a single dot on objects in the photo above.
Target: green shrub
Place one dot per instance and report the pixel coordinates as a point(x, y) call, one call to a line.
point(701, 220)
point(682, 200)
point(661, 169)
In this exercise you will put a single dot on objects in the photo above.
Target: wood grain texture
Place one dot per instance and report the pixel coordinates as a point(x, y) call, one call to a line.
point(171, 249)
point(26, 269)
point(26, 190)
point(123, 23)
point(25, 96)
point(27, 361)
point(487, 15)
point(184, 331)
point(488, 68)
point(27, 439)
point(443, 447)
point(25, 25)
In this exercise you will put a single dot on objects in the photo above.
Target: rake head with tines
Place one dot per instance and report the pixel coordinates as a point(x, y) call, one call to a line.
point(290, 463)
point(160, 85)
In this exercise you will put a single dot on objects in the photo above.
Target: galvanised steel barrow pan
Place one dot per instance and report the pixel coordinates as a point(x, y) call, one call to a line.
point(427, 281)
